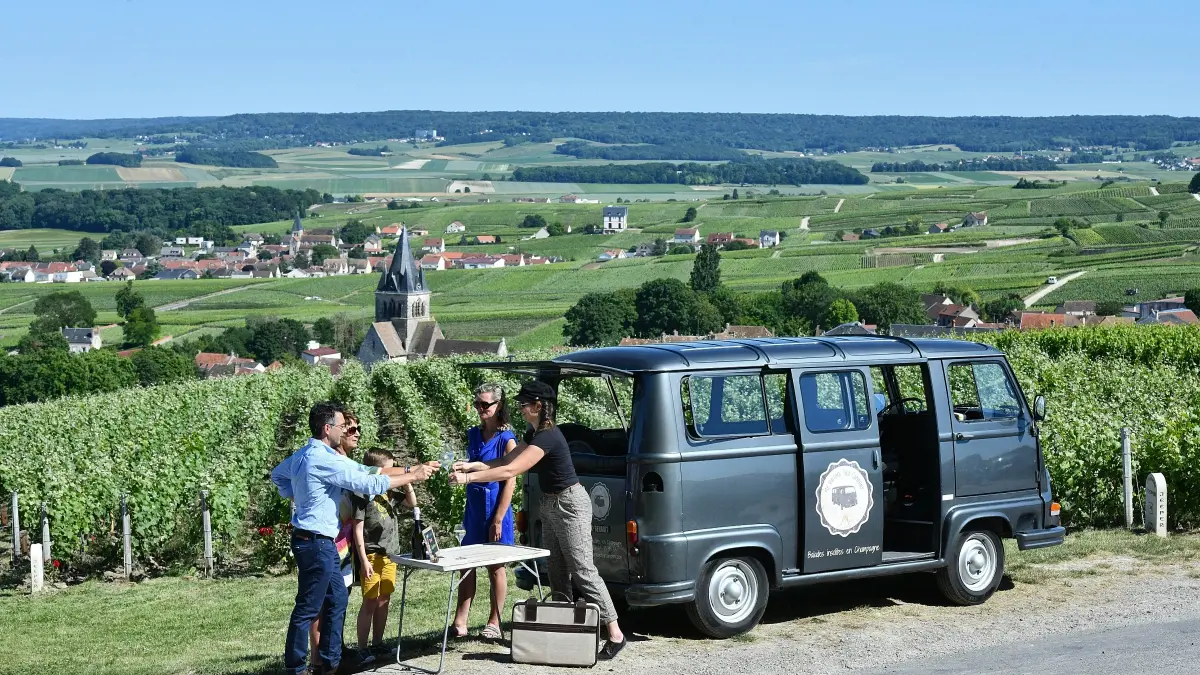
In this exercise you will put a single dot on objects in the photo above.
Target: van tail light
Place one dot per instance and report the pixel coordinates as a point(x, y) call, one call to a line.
point(1054, 509)
point(522, 526)
point(631, 532)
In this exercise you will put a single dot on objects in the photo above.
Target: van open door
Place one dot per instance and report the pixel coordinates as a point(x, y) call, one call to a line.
point(840, 470)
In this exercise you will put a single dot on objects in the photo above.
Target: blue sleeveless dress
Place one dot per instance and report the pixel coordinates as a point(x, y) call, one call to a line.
point(482, 497)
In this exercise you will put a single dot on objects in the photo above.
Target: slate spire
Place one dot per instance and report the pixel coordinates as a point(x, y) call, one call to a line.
point(404, 275)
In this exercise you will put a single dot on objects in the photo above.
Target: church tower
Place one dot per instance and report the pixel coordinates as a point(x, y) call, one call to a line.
point(402, 296)
point(296, 236)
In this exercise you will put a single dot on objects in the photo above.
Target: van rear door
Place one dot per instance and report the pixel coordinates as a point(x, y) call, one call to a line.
point(842, 473)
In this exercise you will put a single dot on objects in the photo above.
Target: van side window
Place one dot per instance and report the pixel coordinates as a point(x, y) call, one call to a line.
point(776, 386)
point(911, 381)
point(835, 401)
point(724, 405)
point(982, 391)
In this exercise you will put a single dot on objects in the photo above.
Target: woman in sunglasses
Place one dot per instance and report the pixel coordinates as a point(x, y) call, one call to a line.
point(488, 517)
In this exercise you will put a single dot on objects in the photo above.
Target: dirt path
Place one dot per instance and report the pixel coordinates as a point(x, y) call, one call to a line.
point(1153, 191)
point(1196, 195)
point(990, 243)
point(184, 303)
point(879, 624)
point(1032, 298)
point(16, 306)
point(839, 205)
point(804, 223)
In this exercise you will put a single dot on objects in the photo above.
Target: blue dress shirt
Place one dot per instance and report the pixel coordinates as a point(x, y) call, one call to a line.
point(315, 477)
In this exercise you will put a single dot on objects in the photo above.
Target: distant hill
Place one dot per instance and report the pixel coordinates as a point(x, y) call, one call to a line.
point(704, 131)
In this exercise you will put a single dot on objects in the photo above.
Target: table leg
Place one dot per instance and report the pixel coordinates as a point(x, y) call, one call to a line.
point(403, 596)
point(445, 631)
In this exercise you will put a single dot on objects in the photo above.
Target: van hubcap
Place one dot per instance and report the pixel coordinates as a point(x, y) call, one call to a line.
point(733, 591)
point(977, 563)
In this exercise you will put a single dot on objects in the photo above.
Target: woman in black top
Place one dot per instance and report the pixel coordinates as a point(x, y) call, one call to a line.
point(566, 508)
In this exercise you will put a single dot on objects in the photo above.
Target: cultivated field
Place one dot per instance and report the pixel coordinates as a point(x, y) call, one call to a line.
point(1125, 247)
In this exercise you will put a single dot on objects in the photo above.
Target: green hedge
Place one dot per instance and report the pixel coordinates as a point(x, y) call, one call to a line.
point(161, 445)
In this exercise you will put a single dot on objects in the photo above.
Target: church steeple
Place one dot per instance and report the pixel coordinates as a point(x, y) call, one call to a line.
point(297, 226)
point(404, 275)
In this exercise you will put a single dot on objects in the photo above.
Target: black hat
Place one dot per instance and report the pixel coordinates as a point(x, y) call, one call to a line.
point(536, 390)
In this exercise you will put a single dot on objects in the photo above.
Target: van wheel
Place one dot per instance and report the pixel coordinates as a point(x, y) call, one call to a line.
point(974, 568)
point(731, 597)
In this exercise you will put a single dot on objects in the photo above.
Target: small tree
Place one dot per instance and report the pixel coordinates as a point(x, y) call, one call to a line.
point(128, 300)
point(141, 327)
point(63, 309)
point(1194, 186)
point(664, 306)
point(600, 319)
point(735, 193)
point(840, 311)
point(1109, 307)
point(706, 270)
point(1162, 218)
point(323, 331)
point(689, 215)
point(534, 220)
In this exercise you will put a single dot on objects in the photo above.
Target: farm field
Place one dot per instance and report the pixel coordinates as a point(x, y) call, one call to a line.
point(1123, 245)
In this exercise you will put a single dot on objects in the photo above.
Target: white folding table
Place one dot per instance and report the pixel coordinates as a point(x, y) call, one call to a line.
point(459, 562)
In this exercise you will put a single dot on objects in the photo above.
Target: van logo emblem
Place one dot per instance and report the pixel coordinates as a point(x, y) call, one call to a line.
point(845, 496)
point(601, 501)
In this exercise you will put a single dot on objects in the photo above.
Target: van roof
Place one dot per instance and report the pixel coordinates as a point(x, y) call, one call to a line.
point(762, 352)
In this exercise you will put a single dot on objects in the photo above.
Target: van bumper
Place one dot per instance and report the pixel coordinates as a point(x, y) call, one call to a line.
point(649, 595)
point(1040, 538)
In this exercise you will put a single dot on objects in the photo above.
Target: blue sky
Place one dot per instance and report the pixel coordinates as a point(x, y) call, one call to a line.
point(143, 58)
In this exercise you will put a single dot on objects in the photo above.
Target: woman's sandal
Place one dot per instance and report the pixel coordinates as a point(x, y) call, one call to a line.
point(491, 632)
point(457, 635)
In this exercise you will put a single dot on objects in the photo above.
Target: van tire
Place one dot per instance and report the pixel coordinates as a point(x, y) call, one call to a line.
point(974, 568)
point(731, 596)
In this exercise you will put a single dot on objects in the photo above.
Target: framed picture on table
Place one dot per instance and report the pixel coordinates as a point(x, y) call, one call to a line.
point(431, 545)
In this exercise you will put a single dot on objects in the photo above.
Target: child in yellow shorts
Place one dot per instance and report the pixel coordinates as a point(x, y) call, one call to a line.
point(376, 536)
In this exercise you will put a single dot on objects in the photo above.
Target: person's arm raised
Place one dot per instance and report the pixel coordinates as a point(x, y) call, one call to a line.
point(510, 465)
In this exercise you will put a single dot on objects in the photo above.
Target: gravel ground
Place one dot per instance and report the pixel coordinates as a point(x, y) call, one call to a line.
point(876, 624)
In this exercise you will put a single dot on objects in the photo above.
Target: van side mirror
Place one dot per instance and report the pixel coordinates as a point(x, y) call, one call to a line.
point(1039, 408)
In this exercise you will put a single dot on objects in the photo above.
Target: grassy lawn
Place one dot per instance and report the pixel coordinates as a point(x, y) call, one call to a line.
point(178, 625)
point(181, 625)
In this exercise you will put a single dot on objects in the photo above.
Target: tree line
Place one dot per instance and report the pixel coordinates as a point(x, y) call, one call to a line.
point(173, 209)
point(224, 157)
point(692, 152)
point(369, 152)
point(1036, 163)
point(748, 169)
point(124, 159)
point(732, 130)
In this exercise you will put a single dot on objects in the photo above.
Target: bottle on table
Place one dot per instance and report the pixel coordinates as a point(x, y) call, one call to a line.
point(418, 542)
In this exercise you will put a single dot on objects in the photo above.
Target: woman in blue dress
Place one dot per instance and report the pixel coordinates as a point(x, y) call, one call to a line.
point(489, 517)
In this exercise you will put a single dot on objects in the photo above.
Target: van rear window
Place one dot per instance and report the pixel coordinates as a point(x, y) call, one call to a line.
point(835, 401)
point(724, 405)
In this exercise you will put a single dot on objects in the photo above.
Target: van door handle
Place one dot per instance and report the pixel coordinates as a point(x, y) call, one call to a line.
point(875, 458)
point(963, 437)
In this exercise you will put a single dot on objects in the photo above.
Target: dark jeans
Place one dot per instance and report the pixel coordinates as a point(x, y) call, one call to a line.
point(321, 592)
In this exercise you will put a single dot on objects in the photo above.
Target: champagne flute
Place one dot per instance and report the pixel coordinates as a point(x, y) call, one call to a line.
point(447, 458)
point(459, 533)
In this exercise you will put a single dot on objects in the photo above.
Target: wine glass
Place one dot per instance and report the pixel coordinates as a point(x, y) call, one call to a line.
point(459, 533)
point(447, 457)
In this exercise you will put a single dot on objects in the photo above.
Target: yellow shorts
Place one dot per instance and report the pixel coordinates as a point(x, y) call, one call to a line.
point(383, 582)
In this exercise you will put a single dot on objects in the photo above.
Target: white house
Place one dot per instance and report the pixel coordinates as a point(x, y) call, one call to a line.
point(768, 238)
point(435, 245)
point(321, 356)
point(433, 263)
point(975, 218)
point(456, 226)
point(194, 241)
point(373, 244)
point(82, 339)
point(67, 277)
point(180, 241)
point(687, 236)
point(171, 251)
point(614, 254)
point(616, 219)
point(108, 254)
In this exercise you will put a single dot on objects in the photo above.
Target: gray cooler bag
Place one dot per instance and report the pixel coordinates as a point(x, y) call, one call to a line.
point(555, 633)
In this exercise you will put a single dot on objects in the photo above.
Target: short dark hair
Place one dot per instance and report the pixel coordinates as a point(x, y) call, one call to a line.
point(321, 414)
point(377, 457)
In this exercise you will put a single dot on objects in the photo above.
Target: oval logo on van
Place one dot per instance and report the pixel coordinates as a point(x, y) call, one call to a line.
point(845, 496)
point(601, 501)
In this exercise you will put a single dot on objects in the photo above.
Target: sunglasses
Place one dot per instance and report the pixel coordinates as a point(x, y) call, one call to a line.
point(484, 405)
point(351, 431)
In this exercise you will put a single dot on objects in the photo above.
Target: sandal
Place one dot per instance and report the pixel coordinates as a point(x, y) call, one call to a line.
point(457, 635)
point(491, 632)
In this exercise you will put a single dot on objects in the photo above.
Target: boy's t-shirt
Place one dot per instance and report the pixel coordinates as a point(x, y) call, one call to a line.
point(380, 529)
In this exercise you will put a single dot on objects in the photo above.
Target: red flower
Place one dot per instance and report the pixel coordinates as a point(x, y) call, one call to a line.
point(266, 531)
point(56, 563)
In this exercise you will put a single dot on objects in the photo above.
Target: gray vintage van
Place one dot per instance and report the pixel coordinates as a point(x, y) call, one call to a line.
point(743, 466)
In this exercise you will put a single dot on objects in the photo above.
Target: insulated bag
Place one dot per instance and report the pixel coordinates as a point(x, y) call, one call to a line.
point(555, 633)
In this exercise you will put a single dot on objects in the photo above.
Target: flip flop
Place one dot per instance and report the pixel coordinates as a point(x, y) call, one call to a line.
point(491, 632)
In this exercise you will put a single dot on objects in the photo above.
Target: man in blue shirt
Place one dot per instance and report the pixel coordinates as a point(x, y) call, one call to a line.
point(314, 477)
